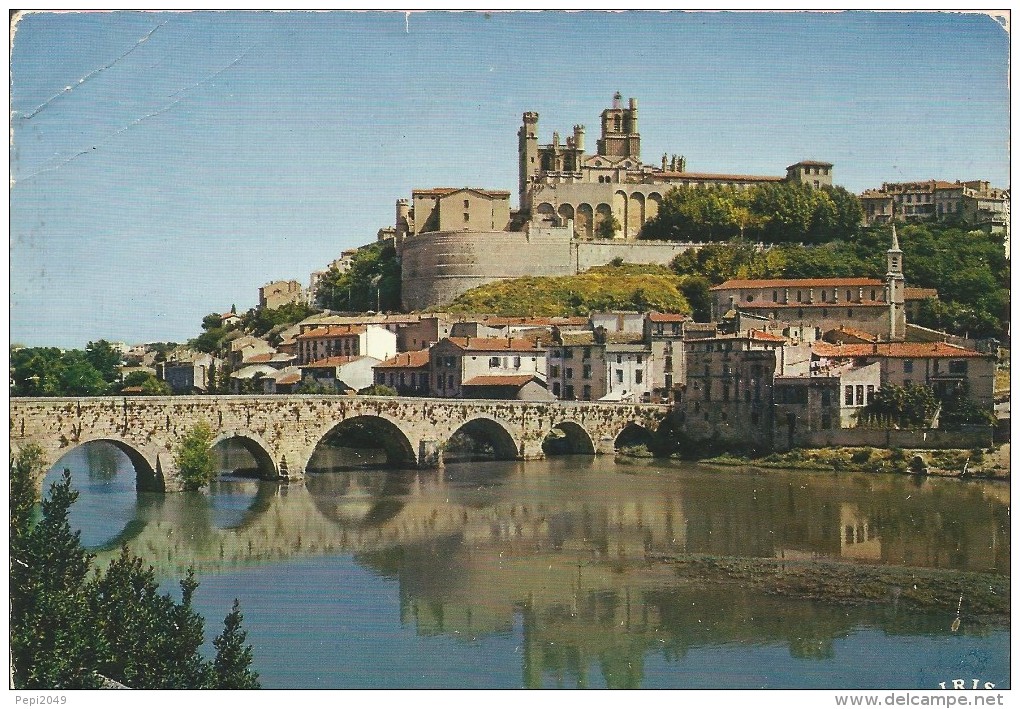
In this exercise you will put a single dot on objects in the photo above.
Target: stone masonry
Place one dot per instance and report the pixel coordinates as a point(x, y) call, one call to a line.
point(282, 432)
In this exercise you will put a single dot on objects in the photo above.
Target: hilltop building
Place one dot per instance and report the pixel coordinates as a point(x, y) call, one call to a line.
point(876, 307)
point(975, 203)
point(576, 210)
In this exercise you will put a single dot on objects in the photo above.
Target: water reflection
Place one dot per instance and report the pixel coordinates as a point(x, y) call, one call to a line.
point(563, 549)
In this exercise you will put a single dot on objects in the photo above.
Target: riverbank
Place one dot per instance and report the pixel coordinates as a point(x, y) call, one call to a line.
point(982, 463)
point(986, 597)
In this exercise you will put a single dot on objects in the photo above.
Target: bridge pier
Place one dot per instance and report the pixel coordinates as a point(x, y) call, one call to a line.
point(430, 453)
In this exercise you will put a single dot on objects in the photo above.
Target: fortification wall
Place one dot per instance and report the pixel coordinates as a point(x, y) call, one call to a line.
point(598, 253)
point(436, 267)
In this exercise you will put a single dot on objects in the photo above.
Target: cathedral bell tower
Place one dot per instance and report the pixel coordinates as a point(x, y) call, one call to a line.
point(896, 285)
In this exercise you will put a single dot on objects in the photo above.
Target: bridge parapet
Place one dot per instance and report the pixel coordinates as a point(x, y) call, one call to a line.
point(283, 431)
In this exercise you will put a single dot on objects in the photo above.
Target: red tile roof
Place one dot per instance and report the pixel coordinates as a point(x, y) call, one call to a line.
point(919, 293)
point(406, 360)
point(812, 163)
point(288, 379)
point(757, 335)
point(332, 331)
point(492, 344)
point(912, 350)
point(516, 380)
point(444, 191)
point(852, 332)
point(798, 283)
point(668, 317)
point(331, 362)
point(260, 358)
point(698, 176)
point(764, 336)
point(765, 305)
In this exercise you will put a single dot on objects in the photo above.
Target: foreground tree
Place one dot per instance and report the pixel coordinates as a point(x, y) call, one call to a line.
point(232, 666)
point(73, 627)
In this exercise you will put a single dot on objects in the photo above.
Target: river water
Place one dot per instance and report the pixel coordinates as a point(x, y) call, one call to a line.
point(493, 574)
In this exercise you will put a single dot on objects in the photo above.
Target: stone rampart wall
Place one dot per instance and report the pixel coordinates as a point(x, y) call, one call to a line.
point(436, 267)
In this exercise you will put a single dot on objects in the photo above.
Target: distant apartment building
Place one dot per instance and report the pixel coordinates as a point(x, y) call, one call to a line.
point(325, 341)
point(665, 334)
point(872, 305)
point(600, 366)
point(279, 293)
point(188, 372)
point(941, 366)
point(475, 367)
point(340, 373)
point(975, 202)
point(821, 398)
point(408, 372)
point(728, 393)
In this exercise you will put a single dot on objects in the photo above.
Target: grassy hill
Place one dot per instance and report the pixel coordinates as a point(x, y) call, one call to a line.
point(621, 287)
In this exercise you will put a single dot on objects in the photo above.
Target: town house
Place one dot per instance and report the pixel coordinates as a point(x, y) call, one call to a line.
point(470, 367)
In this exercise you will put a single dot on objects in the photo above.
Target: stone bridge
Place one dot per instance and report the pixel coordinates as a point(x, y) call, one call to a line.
point(282, 432)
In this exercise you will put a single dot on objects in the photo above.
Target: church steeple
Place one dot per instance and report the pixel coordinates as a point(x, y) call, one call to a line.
point(894, 257)
point(895, 289)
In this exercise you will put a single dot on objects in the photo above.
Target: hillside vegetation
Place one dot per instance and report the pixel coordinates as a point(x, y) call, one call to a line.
point(611, 287)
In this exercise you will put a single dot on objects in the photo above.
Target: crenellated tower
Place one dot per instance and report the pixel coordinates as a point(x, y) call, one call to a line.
point(527, 154)
point(620, 135)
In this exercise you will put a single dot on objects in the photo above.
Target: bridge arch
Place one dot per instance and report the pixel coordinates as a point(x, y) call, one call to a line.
point(633, 434)
point(367, 429)
point(266, 466)
point(149, 475)
point(573, 438)
point(490, 431)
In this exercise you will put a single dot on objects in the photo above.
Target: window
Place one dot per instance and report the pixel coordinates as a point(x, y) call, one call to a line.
point(775, 296)
point(568, 392)
point(554, 371)
point(619, 359)
point(908, 366)
point(848, 395)
point(826, 398)
point(849, 312)
point(569, 373)
point(958, 366)
point(871, 392)
point(860, 395)
point(586, 353)
point(493, 362)
point(517, 362)
point(668, 365)
point(638, 376)
point(619, 376)
point(467, 203)
point(750, 298)
point(586, 371)
point(872, 293)
point(586, 392)
point(556, 389)
point(798, 296)
point(467, 217)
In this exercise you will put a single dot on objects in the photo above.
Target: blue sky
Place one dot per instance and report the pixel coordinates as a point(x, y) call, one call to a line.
point(165, 165)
